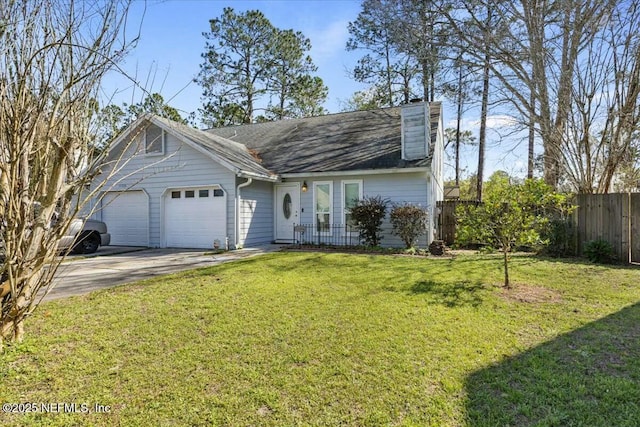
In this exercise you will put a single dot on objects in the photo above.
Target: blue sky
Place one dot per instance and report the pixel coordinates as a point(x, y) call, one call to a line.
point(167, 58)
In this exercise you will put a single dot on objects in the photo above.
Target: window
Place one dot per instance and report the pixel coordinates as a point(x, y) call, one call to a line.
point(175, 194)
point(189, 194)
point(153, 140)
point(351, 193)
point(203, 193)
point(218, 193)
point(286, 206)
point(323, 206)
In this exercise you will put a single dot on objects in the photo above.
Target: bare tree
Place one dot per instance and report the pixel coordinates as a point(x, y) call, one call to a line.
point(535, 50)
point(605, 104)
point(54, 55)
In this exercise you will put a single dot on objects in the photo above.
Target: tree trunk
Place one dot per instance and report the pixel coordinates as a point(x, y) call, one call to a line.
point(248, 116)
point(425, 80)
point(18, 330)
point(406, 87)
point(388, 75)
point(483, 126)
point(5, 332)
point(505, 251)
point(458, 120)
point(532, 130)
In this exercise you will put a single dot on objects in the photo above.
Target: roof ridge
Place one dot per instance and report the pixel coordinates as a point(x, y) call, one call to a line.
point(291, 120)
point(204, 132)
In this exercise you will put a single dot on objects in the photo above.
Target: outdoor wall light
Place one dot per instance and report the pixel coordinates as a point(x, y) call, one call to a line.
point(304, 186)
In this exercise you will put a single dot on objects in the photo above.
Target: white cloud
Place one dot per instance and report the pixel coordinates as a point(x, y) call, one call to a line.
point(495, 122)
point(500, 121)
point(329, 42)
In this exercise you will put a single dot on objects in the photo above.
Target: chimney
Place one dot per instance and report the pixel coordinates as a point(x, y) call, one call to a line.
point(416, 130)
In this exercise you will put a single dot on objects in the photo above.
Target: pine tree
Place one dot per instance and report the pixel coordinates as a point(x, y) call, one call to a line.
point(250, 65)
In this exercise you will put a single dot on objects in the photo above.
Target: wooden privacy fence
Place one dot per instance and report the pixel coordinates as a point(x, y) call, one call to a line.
point(447, 219)
point(611, 217)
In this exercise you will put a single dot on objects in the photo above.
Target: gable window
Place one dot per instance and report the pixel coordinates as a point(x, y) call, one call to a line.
point(153, 140)
point(351, 193)
point(323, 206)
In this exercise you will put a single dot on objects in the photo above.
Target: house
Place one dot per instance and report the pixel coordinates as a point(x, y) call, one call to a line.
point(258, 183)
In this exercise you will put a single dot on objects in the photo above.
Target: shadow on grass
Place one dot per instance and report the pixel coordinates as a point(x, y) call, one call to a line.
point(590, 376)
point(451, 294)
point(585, 262)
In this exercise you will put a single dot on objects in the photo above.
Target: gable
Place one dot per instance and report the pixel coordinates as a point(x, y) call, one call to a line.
point(180, 162)
point(232, 155)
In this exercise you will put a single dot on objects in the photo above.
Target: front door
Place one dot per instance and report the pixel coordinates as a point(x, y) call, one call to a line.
point(287, 211)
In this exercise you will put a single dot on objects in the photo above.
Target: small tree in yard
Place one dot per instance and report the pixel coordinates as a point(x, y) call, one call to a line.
point(368, 214)
point(510, 215)
point(409, 222)
point(54, 54)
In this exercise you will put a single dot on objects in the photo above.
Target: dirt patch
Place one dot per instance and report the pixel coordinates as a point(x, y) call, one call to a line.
point(530, 294)
point(263, 411)
point(462, 252)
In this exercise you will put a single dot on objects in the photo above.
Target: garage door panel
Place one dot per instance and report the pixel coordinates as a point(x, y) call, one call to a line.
point(195, 217)
point(127, 217)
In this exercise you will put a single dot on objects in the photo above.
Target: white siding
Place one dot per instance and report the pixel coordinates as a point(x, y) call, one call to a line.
point(181, 166)
point(256, 213)
point(396, 187)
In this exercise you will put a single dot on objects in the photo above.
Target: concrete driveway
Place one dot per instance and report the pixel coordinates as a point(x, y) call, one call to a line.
point(111, 267)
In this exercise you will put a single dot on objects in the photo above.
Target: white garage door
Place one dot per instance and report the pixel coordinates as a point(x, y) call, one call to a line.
point(126, 214)
point(195, 217)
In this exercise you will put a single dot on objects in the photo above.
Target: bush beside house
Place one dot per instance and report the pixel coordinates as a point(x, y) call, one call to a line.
point(368, 214)
point(409, 223)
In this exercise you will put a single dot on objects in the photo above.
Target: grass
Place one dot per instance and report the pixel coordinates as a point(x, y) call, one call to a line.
point(335, 339)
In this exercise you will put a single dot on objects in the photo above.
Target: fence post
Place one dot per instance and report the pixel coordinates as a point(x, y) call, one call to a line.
point(625, 241)
point(634, 228)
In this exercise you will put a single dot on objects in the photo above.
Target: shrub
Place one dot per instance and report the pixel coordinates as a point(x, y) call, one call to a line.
point(599, 251)
point(368, 214)
point(409, 222)
point(560, 238)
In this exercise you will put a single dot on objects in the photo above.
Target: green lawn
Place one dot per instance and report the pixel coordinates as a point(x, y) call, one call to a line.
point(333, 339)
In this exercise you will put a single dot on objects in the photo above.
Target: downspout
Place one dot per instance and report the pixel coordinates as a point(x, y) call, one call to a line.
point(238, 199)
point(430, 207)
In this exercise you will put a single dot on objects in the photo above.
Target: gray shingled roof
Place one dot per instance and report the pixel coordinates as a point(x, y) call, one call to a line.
point(359, 140)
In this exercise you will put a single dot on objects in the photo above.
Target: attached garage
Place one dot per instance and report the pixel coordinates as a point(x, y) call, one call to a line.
point(126, 214)
point(195, 217)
